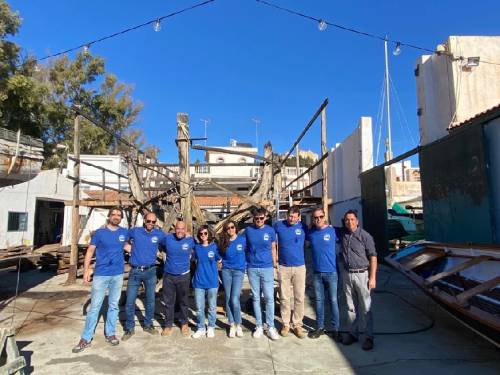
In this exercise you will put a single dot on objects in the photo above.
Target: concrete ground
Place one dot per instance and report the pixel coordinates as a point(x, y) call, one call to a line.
point(413, 336)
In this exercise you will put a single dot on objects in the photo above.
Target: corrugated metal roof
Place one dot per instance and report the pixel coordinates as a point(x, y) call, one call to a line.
point(487, 114)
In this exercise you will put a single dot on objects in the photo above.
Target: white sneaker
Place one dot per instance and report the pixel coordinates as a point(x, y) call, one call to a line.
point(199, 333)
point(257, 333)
point(272, 333)
point(232, 331)
point(211, 332)
point(239, 331)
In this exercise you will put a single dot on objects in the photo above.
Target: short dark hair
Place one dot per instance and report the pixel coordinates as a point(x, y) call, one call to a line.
point(318, 209)
point(116, 208)
point(259, 211)
point(351, 211)
point(293, 210)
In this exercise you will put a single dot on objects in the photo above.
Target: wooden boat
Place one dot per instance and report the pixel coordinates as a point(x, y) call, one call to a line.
point(463, 279)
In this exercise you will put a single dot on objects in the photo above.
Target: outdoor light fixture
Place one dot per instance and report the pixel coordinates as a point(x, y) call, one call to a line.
point(472, 62)
point(86, 48)
point(322, 25)
point(157, 25)
point(397, 50)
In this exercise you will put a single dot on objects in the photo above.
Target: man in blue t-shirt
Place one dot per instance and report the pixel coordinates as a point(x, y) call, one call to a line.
point(322, 241)
point(292, 270)
point(144, 247)
point(261, 261)
point(107, 243)
point(176, 277)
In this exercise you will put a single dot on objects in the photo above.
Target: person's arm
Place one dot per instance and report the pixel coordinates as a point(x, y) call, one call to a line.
point(275, 254)
point(127, 247)
point(86, 263)
point(372, 273)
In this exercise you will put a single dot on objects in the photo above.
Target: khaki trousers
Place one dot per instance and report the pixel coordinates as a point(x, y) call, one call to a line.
point(292, 282)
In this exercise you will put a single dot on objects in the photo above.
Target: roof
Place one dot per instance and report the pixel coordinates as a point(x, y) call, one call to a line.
point(204, 201)
point(486, 115)
point(109, 195)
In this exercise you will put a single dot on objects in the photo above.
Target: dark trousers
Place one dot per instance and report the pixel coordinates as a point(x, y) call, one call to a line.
point(176, 287)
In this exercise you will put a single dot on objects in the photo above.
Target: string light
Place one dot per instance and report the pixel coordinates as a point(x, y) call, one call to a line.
point(322, 25)
point(157, 25)
point(397, 50)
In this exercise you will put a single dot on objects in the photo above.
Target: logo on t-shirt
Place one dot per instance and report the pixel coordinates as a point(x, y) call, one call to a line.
point(326, 237)
point(298, 232)
point(185, 246)
point(239, 247)
point(211, 254)
point(154, 239)
point(266, 237)
point(121, 238)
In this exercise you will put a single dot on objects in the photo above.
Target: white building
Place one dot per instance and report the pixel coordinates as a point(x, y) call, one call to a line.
point(32, 213)
point(458, 84)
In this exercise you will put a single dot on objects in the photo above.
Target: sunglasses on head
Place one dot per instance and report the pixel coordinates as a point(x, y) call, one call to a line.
point(150, 221)
point(319, 217)
point(258, 218)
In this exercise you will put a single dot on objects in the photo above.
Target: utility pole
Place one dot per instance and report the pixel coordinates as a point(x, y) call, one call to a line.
point(183, 143)
point(205, 122)
point(75, 218)
point(324, 164)
point(257, 123)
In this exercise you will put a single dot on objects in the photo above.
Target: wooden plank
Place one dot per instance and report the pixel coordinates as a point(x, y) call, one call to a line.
point(307, 187)
point(422, 258)
point(185, 190)
point(457, 268)
point(463, 297)
point(325, 165)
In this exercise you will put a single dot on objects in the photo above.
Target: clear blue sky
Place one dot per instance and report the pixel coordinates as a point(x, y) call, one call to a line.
point(237, 59)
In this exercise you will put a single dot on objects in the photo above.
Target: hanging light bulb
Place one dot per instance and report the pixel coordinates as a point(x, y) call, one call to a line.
point(322, 25)
point(397, 50)
point(86, 48)
point(157, 25)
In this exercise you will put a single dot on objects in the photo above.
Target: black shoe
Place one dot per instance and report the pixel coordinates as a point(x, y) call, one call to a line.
point(127, 334)
point(151, 330)
point(367, 344)
point(337, 336)
point(349, 339)
point(316, 333)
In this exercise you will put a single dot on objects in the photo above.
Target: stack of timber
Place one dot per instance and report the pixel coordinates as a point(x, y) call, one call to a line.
point(12, 255)
point(463, 279)
point(63, 259)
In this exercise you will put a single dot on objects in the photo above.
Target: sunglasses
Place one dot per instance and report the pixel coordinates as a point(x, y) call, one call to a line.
point(319, 217)
point(203, 233)
point(231, 227)
point(150, 221)
point(258, 218)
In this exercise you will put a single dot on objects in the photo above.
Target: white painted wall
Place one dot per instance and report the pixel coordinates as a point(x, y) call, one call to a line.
point(115, 163)
point(345, 162)
point(49, 185)
point(448, 92)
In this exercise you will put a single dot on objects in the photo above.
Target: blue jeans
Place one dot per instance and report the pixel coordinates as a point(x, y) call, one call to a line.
point(262, 278)
point(328, 281)
point(199, 296)
point(233, 281)
point(113, 284)
point(135, 278)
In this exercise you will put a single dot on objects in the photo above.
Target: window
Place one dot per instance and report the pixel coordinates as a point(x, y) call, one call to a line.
point(220, 160)
point(242, 160)
point(18, 221)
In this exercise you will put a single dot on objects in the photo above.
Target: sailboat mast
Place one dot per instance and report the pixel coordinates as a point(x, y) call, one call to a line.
point(388, 145)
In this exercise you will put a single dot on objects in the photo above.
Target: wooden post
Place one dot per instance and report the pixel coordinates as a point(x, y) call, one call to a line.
point(297, 163)
point(75, 219)
point(184, 174)
point(325, 163)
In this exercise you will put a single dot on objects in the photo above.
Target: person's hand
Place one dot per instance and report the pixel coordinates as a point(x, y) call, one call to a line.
point(372, 284)
point(219, 265)
point(86, 276)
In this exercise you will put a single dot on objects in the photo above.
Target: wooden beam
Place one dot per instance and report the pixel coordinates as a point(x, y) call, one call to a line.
point(184, 173)
point(75, 212)
point(308, 169)
point(307, 187)
point(98, 185)
point(425, 256)
point(325, 164)
point(309, 124)
point(457, 268)
point(462, 298)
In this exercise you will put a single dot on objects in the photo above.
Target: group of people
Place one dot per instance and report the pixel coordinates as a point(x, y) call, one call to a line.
point(347, 254)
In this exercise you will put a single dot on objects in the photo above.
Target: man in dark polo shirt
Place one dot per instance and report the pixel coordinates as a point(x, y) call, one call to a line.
point(144, 241)
point(358, 279)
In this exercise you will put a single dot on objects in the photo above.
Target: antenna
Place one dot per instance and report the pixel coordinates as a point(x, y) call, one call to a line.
point(257, 123)
point(205, 122)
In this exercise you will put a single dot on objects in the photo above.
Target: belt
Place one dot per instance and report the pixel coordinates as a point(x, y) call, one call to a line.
point(143, 268)
point(358, 271)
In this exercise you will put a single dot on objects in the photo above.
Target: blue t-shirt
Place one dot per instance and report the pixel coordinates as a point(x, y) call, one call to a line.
point(322, 243)
point(206, 275)
point(144, 245)
point(290, 243)
point(259, 246)
point(178, 254)
point(109, 255)
point(234, 256)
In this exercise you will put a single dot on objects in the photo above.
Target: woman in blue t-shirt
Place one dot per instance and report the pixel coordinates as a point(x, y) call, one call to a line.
point(232, 250)
point(206, 281)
